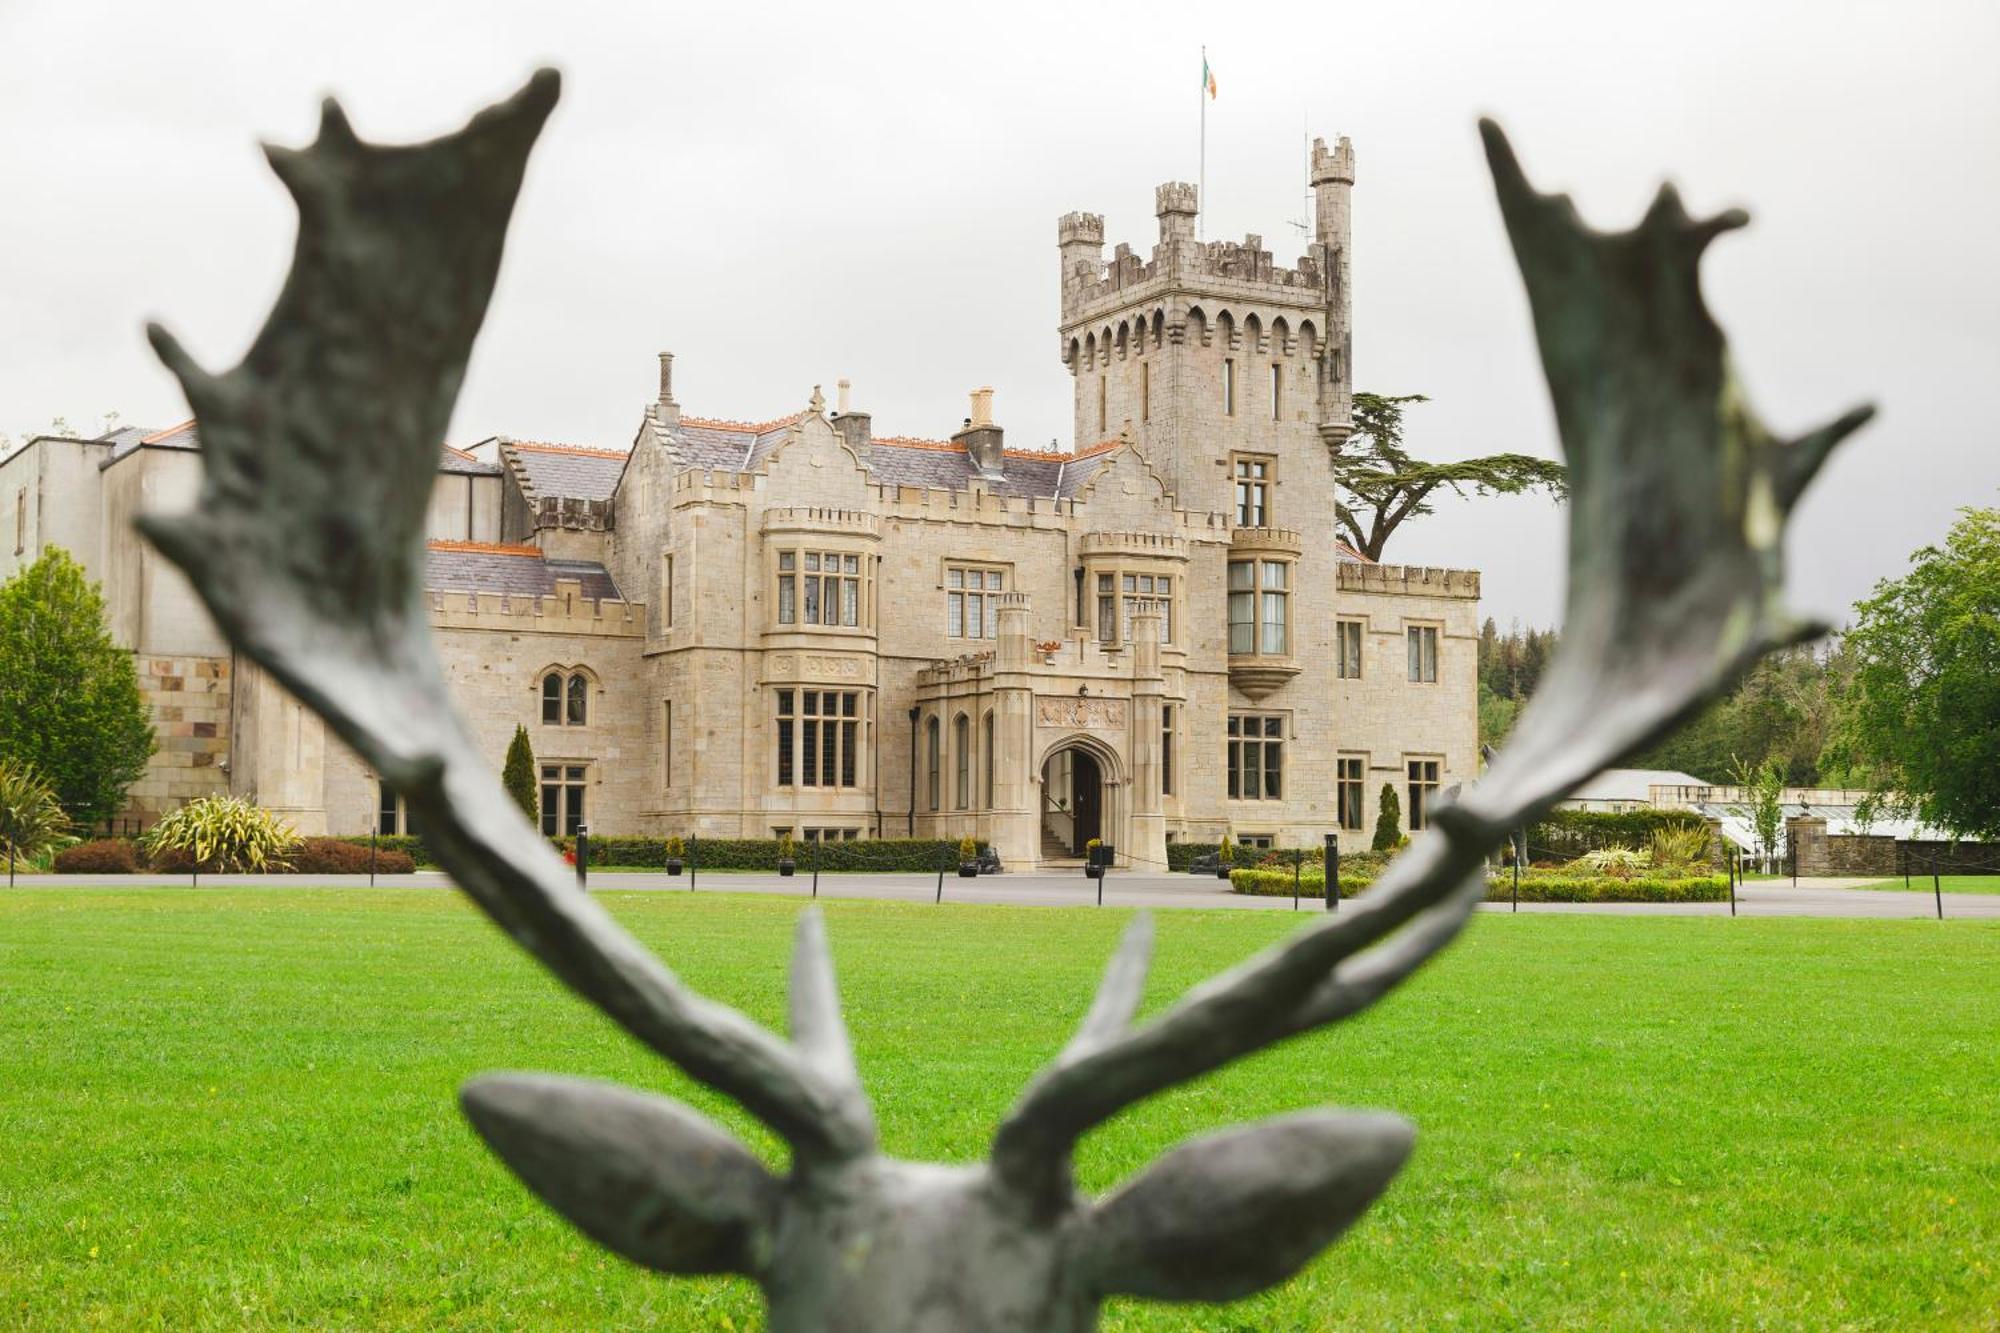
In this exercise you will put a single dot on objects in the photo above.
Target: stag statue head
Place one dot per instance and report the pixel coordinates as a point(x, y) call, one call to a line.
point(307, 545)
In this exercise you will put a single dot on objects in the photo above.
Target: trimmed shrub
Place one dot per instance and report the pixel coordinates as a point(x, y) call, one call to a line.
point(922, 855)
point(408, 844)
point(105, 856)
point(338, 856)
point(1564, 835)
point(1535, 888)
point(1180, 855)
point(1262, 883)
point(1389, 822)
point(1557, 887)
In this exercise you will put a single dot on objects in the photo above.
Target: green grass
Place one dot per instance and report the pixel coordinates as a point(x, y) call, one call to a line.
point(226, 1108)
point(1949, 883)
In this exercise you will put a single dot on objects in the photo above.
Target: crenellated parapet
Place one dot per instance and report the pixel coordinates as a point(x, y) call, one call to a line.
point(819, 519)
point(1408, 580)
point(566, 611)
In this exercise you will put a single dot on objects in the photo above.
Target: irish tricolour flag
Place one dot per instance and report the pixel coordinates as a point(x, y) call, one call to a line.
point(1208, 78)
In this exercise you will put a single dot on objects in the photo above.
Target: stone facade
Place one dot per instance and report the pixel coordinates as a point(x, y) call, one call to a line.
point(735, 629)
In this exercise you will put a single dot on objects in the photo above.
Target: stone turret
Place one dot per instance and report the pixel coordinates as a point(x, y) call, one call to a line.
point(1333, 192)
point(1175, 204)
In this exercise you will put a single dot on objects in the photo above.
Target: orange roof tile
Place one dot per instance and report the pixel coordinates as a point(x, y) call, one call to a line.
point(169, 432)
point(741, 427)
point(487, 548)
point(543, 447)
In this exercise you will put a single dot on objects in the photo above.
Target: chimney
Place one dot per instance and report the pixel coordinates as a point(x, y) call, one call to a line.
point(856, 428)
point(670, 411)
point(981, 439)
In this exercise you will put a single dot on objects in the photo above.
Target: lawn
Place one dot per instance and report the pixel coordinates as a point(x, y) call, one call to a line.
point(1949, 883)
point(225, 1108)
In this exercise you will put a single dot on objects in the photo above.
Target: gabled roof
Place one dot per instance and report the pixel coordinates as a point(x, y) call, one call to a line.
point(516, 571)
point(570, 471)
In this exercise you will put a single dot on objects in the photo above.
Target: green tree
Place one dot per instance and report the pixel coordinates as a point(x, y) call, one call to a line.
point(519, 774)
point(1389, 822)
point(1763, 786)
point(1379, 486)
point(1920, 713)
point(69, 696)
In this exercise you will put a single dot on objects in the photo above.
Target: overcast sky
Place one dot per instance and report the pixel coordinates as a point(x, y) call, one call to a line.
point(784, 195)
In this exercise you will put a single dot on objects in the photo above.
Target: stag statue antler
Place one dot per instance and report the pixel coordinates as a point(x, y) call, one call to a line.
point(307, 546)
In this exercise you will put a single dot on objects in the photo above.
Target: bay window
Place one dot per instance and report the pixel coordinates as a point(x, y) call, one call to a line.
point(1259, 608)
point(819, 588)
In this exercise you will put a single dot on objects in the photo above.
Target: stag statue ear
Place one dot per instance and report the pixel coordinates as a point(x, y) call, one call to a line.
point(307, 546)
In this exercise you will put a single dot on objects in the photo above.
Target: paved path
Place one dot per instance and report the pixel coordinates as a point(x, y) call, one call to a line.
point(1817, 898)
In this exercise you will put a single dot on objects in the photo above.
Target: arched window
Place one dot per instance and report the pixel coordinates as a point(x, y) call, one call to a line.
point(961, 741)
point(565, 698)
point(987, 756)
point(935, 773)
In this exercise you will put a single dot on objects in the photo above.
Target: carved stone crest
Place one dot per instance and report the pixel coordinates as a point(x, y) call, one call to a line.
point(1057, 710)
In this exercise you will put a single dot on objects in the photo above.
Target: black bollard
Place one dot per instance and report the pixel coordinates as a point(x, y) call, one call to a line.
point(694, 858)
point(583, 857)
point(1332, 872)
point(940, 884)
point(1937, 886)
point(816, 842)
point(373, 830)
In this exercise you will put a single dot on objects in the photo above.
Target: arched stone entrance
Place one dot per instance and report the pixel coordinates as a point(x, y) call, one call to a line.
point(1076, 801)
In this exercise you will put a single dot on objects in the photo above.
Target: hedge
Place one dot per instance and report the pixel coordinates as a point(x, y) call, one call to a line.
point(1542, 887)
point(105, 856)
point(1181, 854)
point(1260, 883)
point(914, 854)
point(1564, 835)
point(1535, 888)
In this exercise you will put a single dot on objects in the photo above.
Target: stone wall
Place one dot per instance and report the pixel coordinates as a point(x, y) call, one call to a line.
point(188, 699)
point(1821, 853)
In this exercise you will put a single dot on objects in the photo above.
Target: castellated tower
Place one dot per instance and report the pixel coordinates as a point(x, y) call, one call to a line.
point(1210, 349)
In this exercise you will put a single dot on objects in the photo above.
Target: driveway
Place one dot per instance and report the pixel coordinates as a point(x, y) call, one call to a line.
point(1820, 898)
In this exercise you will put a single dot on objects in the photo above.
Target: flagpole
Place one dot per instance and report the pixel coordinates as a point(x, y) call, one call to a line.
point(1201, 187)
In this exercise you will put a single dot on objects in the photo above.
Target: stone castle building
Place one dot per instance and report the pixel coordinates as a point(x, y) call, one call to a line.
point(736, 629)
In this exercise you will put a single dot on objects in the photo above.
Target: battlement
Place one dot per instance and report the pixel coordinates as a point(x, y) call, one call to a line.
point(817, 518)
point(1408, 580)
point(566, 611)
point(1158, 545)
point(1174, 198)
point(1080, 229)
point(1335, 166)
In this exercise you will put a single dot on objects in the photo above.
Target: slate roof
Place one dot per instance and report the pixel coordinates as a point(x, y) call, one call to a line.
point(517, 571)
point(727, 446)
point(566, 470)
point(739, 446)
